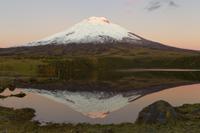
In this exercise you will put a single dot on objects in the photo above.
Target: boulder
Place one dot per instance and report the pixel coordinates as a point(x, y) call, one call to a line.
point(159, 112)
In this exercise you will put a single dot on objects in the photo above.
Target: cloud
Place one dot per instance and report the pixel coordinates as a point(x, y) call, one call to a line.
point(157, 4)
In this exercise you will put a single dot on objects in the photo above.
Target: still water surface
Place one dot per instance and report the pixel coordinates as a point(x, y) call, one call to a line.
point(96, 107)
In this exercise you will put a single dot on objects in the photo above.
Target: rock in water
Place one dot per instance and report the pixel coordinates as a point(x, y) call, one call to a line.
point(158, 112)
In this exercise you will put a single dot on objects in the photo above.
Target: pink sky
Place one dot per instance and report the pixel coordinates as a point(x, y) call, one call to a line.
point(22, 21)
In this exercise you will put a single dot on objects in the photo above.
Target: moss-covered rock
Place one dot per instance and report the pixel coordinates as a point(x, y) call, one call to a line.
point(159, 112)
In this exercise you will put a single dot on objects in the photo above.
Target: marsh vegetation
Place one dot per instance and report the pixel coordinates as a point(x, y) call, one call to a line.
point(100, 72)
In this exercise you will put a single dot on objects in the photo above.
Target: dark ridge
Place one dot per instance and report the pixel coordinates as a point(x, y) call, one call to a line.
point(86, 48)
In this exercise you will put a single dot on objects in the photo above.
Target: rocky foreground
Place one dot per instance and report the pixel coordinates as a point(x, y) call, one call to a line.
point(159, 117)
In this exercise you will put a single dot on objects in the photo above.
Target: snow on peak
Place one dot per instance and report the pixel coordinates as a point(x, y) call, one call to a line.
point(98, 20)
point(91, 30)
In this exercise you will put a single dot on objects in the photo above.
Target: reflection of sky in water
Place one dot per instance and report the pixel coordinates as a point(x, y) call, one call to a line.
point(93, 105)
point(103, 108)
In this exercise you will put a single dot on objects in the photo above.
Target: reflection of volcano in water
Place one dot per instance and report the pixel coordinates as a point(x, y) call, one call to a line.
point(91, 104)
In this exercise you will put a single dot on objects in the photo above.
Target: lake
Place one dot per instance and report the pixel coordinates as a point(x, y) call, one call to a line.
point(102, 107)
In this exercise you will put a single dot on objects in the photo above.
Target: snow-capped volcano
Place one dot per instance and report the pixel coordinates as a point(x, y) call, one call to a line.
point(92, 36)
point(91, 30)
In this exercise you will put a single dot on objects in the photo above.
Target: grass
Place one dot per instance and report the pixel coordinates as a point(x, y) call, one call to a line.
point(18, 121)
point(18, 67)
point(99, 68)
point(118, 58)
point(48, 66)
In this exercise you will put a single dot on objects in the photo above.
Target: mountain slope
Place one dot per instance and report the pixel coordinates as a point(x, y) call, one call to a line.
point(91, 30)
point(92, 36)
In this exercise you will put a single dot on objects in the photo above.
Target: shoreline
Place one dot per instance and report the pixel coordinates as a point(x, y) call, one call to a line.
point(14, 121)
point(158, 70)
